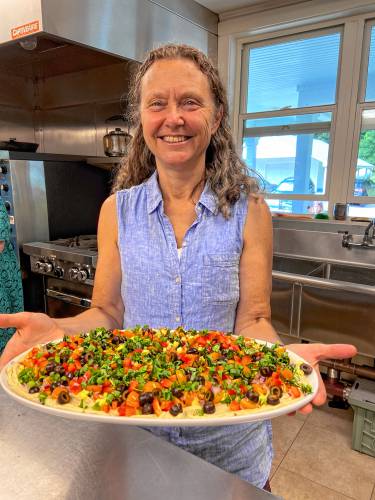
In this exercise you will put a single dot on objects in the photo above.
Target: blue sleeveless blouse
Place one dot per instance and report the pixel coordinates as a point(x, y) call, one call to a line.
point(199, 290)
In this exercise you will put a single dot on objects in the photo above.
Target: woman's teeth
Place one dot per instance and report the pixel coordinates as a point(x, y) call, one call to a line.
point(174, 138)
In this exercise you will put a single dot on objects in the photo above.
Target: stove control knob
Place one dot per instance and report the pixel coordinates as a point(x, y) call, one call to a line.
point(48, 267)
point(7, 205)
point(82, 275)
point(58, 272)
point(39, 265)
point(3, 169)
point(73, 272)
point(4, 187)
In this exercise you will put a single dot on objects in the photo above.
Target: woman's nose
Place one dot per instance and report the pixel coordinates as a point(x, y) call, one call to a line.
point(174, 117)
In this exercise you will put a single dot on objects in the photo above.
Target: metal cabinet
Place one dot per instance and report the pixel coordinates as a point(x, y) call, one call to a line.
point(323, 307)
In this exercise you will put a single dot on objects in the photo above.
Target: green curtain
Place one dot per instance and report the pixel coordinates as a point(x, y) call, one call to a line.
point(11, 297)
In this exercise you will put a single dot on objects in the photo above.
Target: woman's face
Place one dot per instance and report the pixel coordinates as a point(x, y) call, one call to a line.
point(178, 113)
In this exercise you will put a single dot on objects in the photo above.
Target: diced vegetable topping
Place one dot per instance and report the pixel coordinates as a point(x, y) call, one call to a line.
point(145, 371)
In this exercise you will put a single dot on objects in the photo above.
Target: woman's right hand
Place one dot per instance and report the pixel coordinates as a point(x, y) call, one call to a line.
point(31, 329)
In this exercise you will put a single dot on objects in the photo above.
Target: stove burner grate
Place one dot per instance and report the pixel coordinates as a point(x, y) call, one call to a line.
point(87, 242)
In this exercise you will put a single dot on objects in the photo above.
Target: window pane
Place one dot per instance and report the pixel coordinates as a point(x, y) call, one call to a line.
point(361, 210)
point(364, 184)
point(298, 206)
point(289, 120)
point(293, 74)
point(295, 164)
point(370, 88)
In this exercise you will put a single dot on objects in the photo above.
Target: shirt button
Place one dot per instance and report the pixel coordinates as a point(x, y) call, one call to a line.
point(178, 279)
point(184, 243)
point(178, 318)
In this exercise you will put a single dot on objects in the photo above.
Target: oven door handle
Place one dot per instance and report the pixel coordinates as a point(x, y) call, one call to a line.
point(70, 299)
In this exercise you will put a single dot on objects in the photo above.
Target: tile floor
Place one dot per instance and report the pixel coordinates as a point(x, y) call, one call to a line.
point(314, 460)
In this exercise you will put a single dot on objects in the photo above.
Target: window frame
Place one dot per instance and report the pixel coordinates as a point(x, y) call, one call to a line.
point(361, 106)
point(346, 120)
point(300, 128)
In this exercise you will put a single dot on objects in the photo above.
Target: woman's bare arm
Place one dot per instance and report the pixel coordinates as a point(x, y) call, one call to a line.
point(253, 317)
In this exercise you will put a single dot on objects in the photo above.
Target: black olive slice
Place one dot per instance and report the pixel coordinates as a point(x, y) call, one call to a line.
point(177, 393)
point(63, 397)
point(175, 409)
point(147, 409)
point(146, 398)
point(307, 369)
point(252, 396)
point(34, 390)
point(209, 407)
point(273, 400)
point(192, 350)
point(209, 396)
point(265, 371)
point(50, 367)
point(276, 391)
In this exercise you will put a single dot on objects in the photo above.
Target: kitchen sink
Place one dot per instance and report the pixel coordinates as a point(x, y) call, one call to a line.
point(326, 270)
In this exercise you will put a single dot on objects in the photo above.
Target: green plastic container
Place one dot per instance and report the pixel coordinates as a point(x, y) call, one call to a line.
point(362, 399)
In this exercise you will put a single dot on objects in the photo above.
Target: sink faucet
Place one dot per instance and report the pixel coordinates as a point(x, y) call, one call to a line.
point(367, 239)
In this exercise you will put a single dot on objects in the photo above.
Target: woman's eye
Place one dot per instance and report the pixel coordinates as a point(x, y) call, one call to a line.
point(156, 104)
point(190, 104)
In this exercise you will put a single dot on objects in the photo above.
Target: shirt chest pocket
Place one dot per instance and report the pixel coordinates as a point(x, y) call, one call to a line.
point(220, 278)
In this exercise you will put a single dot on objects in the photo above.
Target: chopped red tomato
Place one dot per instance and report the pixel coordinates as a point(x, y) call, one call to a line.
point(286, 373)
point(127, 363)
point(75, 386)
point(106, 407)
point(234, 406)
point(133, 399)
point(133, 385)
point(166, 405)
point(166, 383)
point(294, 391)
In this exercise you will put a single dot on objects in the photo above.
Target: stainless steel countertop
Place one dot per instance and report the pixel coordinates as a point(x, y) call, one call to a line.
point(47, 457)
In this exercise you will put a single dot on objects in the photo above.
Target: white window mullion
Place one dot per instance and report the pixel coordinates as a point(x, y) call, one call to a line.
point(244, 57)
point(296, 128)
point(343, 126)
point(328, 108)
point(361, 106)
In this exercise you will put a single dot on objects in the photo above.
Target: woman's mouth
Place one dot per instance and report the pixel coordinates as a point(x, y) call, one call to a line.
point(173, 139)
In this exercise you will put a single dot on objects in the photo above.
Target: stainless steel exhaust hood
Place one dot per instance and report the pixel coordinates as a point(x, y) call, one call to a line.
point(65, 65)
point(122, 28)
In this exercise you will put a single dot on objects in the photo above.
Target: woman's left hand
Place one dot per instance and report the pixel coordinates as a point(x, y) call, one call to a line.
point(313, 353)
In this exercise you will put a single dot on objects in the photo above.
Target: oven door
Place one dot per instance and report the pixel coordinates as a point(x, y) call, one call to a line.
point(64, 298)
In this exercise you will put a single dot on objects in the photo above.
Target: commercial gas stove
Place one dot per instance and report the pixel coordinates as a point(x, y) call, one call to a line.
point(71, 259)
point(68, 270)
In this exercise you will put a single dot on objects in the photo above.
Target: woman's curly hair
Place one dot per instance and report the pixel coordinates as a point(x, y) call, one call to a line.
point(226, 173)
